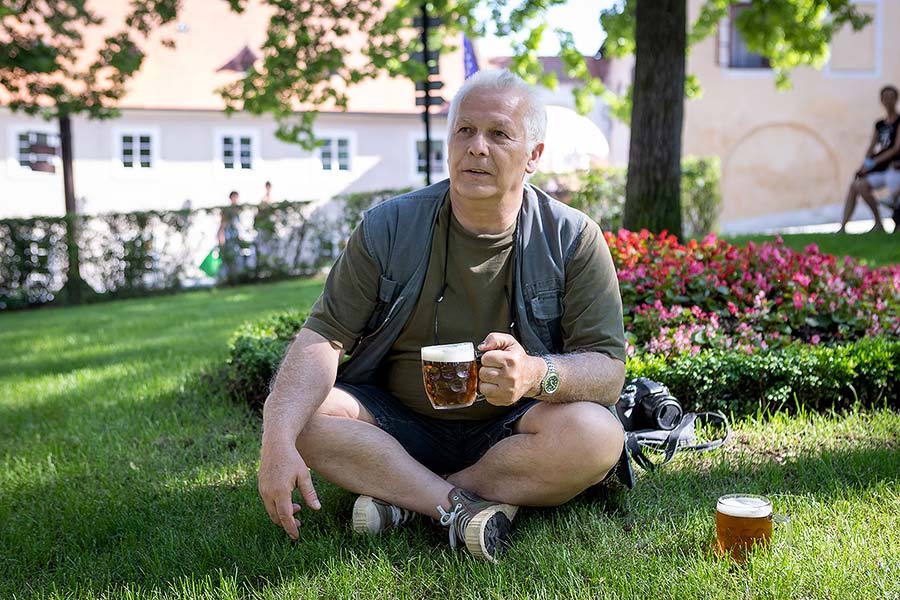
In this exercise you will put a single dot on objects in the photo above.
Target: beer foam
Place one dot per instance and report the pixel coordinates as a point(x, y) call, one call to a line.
point(449, 352)
point(746, 506)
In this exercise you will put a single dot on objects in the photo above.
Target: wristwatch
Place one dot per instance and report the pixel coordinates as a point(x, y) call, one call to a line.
point(550, 382)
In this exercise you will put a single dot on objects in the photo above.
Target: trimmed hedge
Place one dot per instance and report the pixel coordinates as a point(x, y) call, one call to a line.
point(255, 352)
point(815, 378)
point(139, 253)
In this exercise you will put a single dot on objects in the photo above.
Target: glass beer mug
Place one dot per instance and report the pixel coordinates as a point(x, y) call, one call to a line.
point(450, 373)
point(743, 521)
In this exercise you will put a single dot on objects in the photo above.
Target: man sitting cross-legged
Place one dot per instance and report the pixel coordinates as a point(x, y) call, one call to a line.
point(482, 257)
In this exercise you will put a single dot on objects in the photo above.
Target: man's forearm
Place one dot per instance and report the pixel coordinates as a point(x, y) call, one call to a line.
point(585, 376)
point(304, 379)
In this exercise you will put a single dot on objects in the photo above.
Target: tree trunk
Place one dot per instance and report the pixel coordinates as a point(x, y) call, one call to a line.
point(73, 278)
point(653, 189)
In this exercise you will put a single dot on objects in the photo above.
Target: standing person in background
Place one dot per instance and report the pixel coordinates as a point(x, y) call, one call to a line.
point(266, 200)
point(881, 167)
point(264, 243)
point(229, 237)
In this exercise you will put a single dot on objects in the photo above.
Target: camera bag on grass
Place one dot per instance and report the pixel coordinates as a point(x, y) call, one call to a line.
point(654, 420)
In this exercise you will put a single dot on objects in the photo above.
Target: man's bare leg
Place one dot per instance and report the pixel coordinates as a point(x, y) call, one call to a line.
point(558, 451)
point(342, 444)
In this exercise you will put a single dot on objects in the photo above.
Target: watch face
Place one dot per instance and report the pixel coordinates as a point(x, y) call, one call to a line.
point(551, 383)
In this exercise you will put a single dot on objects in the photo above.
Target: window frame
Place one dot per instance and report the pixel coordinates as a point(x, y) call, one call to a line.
point(732, 39)
point(333, 135)
point(219, 136)
point(877, 72)
point(136, 130)
point(438, 137)
point(19, 171)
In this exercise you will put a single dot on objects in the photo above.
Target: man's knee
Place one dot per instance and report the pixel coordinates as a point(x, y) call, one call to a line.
point(589, 434)
point(338, 406)
point(339, 403)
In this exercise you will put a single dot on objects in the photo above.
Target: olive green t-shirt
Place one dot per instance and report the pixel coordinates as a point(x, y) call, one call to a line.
point(475, 303)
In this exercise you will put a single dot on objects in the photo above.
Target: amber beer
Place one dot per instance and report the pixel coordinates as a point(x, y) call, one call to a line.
point(742, 520)
point(450, 372)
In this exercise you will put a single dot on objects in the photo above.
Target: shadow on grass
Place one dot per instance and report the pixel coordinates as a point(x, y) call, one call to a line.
point(113, 527)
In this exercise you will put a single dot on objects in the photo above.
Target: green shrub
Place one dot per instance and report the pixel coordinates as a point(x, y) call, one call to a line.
point(701, 200)
point(255, 352)
point(816, 378)
point(600, 193)
point(601, 196)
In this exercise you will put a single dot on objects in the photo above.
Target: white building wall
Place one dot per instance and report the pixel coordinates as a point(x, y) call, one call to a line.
point(187, 162)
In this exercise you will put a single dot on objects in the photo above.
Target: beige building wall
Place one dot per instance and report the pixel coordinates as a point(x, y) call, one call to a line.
point(795, 150)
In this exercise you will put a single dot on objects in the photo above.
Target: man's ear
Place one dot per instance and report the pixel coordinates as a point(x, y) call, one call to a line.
point(531, 165)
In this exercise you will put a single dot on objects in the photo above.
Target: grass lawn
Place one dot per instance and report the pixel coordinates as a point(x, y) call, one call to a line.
point(873, 249)
point(122, 477)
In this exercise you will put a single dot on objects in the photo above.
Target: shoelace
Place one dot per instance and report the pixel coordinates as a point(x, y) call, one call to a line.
point(457, 520)
point(399, 516)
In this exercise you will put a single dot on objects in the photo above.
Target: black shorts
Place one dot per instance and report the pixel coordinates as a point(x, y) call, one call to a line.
point(443, 446)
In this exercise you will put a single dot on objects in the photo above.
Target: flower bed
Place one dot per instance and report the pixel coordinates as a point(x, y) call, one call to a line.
point(732, 328)
point(709, 294)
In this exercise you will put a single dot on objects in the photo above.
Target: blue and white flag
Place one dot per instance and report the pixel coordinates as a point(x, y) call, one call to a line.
point(470, 63)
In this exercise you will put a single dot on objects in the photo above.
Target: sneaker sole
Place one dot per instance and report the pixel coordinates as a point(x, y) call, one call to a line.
point(365, 516)
point(488, 532)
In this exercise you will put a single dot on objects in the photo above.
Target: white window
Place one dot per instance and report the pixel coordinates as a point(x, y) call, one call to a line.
point(237, 151)
point(38, 150)
point(859, 53)
point(334, 153)
point(136, 150)
point(733, 51)
point(437, 156)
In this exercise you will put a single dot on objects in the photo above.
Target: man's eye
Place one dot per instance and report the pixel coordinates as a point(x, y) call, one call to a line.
point(502, 134)
point(464, 129)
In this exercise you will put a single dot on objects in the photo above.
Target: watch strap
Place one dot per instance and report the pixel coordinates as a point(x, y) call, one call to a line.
point(552, 374)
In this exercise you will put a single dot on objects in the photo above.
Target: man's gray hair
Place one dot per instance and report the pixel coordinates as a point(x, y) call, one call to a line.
point(504, 80)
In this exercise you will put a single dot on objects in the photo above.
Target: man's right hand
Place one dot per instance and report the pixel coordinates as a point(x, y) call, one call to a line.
point(281, 471)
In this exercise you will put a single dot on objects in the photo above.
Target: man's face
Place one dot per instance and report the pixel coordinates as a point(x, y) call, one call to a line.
point(487, 151)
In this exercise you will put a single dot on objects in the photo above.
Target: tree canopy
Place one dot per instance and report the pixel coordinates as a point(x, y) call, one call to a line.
point(47, 69)
point(44, 66)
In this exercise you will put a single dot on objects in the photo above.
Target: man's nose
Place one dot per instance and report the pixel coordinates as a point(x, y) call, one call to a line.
point(478, 145)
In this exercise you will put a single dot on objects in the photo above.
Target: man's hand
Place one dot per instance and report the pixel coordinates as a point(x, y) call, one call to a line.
point(281, 470)
point(507, 372)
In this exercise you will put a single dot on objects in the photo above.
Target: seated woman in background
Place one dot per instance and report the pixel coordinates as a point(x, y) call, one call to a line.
point(881, 168)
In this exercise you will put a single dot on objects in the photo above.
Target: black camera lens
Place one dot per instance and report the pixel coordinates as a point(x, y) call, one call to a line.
point(662, 412)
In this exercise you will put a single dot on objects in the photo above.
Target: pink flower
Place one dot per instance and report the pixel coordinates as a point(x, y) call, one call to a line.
point(802, 279)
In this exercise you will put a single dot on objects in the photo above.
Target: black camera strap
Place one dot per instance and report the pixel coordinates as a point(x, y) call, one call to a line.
point(681, 438)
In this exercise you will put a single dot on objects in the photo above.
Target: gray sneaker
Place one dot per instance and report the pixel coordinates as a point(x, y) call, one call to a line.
point(371, 515)
point(484, 525)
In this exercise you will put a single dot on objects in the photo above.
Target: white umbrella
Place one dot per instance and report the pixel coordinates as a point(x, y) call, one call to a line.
point(572, 143)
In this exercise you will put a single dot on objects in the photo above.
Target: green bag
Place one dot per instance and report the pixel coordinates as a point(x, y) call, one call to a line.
point(212, 264)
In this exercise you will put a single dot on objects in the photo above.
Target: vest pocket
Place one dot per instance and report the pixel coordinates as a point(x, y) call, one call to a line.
point(546, 312)
point(387, 293)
